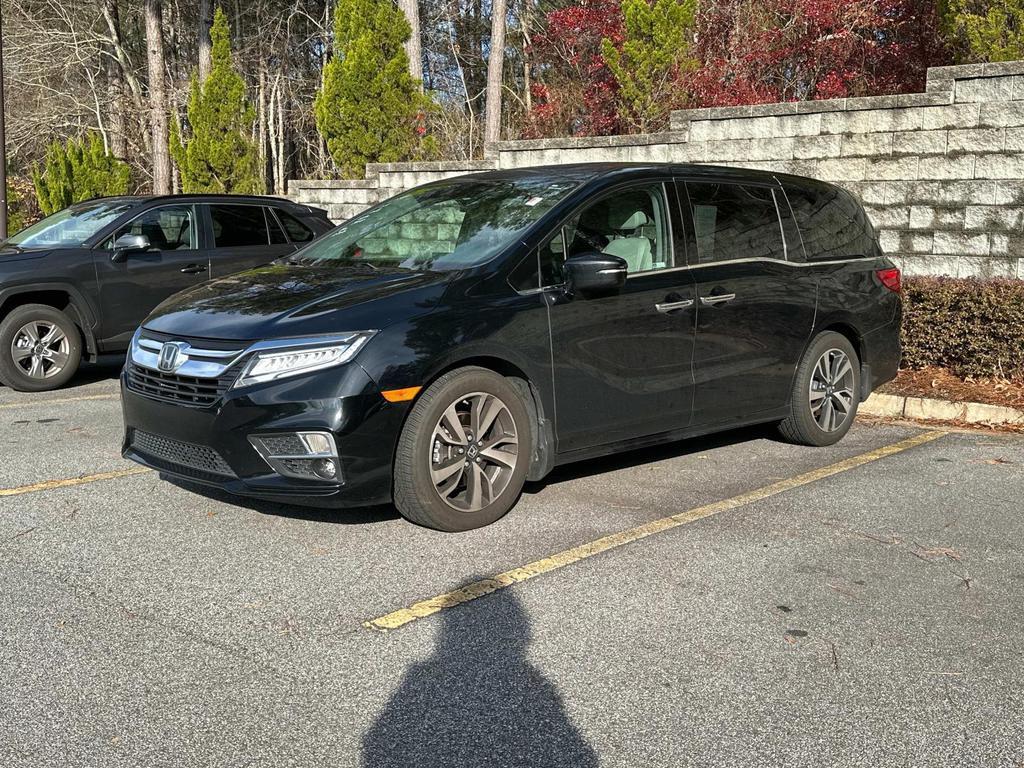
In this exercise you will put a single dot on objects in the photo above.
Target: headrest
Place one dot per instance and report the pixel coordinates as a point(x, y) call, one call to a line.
point(626, 217)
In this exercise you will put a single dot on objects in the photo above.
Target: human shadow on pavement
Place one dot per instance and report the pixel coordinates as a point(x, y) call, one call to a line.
point(477, 701)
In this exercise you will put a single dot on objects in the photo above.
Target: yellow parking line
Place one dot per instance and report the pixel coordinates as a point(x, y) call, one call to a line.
point(57, 401)
point(49, 485)
point(433, 605)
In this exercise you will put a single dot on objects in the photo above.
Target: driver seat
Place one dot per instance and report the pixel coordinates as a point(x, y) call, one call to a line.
point(629, 244)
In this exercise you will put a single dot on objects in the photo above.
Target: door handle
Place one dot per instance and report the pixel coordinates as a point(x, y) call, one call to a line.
point(671, 306)
point(193, 269)
point(721, 298)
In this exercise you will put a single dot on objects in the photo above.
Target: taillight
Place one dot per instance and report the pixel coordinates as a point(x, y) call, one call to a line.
point(890, 279)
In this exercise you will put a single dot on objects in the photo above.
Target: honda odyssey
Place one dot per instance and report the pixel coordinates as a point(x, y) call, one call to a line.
point(447, 345)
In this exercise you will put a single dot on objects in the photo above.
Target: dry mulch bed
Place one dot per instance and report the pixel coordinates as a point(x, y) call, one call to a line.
point(940, 384)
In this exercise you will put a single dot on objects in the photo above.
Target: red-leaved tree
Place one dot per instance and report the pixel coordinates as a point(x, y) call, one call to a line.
point(575, 92)
point(756, 51)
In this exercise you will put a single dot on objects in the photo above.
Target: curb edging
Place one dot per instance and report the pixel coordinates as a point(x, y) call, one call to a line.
point(906, 407)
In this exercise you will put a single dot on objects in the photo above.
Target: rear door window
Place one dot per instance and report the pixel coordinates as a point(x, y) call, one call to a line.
point(238, 226)
point(734, 221)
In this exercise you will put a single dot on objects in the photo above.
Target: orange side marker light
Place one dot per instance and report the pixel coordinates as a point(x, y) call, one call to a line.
point(401, 395)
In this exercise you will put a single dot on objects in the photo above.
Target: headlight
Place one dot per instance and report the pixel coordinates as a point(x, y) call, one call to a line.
point(281, 359)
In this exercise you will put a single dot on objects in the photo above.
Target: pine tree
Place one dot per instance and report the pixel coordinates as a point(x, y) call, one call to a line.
point(219, 155)
point(987, 30)
point(648, 61)
point(370, 108)
point(77, 170)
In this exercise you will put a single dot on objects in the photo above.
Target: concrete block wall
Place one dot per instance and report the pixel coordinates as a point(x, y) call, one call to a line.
point(941, 173)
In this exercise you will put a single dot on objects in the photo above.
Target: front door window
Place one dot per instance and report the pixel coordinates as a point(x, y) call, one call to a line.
point(170, 228)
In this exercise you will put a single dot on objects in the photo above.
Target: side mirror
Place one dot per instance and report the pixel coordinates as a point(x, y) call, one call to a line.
point(127, 244)
point(590, 274)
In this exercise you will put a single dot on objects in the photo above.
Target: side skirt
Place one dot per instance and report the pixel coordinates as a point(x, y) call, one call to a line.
point(666, 437)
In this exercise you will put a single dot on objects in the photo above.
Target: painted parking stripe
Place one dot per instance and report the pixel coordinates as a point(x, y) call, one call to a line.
point(477, 589)
point(49, 485)
point(56, 401)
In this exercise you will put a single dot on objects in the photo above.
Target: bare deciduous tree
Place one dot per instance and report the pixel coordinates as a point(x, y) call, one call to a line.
point(495, 72)
point(203, 38)
point(414, 46)
point(157, 97)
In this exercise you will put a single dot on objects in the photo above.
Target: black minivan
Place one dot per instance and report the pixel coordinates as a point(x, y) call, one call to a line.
point(459, 339)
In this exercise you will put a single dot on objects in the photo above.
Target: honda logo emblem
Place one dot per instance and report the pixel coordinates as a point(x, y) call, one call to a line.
point(172, 356)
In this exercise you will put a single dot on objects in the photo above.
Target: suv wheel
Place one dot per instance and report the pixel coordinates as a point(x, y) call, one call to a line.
point(40, 348)
point(826, 392)
point(464, 452)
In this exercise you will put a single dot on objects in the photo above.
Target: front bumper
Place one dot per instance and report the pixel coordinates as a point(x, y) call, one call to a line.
point(210, 445)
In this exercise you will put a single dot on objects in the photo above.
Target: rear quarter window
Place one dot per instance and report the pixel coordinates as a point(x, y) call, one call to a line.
point(832, 224)
point(297, 231)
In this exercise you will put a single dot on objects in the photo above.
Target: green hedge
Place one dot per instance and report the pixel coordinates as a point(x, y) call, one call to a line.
point(971, 327)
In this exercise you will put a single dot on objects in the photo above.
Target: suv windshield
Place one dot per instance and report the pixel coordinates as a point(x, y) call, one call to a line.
point(445, 226)
point(71, 226)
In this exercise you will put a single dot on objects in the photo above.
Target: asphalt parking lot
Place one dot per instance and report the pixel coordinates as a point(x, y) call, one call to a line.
point(858, 605)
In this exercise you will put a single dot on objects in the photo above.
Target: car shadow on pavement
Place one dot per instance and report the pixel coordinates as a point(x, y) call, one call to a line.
point(477, 701)
point(104, 368)
point(345, 516)
point(640, 456)
point(582, 469)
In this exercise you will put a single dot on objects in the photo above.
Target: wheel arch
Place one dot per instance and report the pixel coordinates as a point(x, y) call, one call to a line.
point(542, 456)
point(63, 297)
point(847, 328)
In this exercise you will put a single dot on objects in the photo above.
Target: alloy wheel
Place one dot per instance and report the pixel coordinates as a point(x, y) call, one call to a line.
point(473, 451)
point(40, 349)
point(831, 390)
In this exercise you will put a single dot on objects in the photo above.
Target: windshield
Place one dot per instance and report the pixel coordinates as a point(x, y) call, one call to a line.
point(71, 226)
point(451, 225)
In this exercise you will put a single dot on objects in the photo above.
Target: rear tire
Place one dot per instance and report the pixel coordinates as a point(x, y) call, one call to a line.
point(826, 392)
point(40, 348)
point(464, 452)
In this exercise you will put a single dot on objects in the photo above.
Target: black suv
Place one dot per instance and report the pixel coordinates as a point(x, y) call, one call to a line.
point(445, 346)
point(79, 282)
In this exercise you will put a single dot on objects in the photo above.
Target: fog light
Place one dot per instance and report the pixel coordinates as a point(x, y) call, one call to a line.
point(325, 468)
point(303, 455)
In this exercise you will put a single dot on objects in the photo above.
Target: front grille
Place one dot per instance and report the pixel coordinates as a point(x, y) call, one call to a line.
point(173, 388)
point(178, 456)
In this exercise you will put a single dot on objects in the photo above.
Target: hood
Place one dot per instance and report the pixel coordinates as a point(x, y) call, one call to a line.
point(17, 252)
point(283, 300)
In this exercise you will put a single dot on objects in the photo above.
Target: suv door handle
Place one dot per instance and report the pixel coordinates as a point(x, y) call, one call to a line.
point(721, 298)
point(671, 306)
point(193, 269)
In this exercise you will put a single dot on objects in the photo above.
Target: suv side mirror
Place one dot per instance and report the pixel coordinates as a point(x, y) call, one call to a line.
point(127, 244)
point(595, 274)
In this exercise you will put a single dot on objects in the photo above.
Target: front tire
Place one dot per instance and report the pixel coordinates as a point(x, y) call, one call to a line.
point(40, 348)
point(464, 452)
point(826, 392)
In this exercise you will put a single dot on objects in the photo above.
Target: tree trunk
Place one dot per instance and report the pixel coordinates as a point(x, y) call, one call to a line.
point(116, 97)
point(495, 67)
point(204, 44)
point(262, 128)
point(121, 74)
point(527, 63)
point(414, 45)
point(273, 139)
point(157, 97)
point(282, 154)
